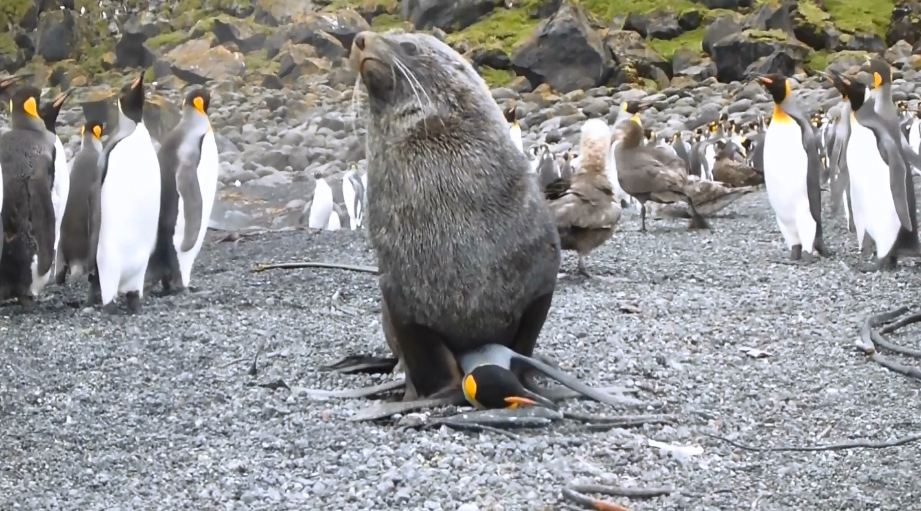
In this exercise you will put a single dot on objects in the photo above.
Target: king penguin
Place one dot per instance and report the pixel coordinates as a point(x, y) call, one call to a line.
point(130, 201)
point(49, 114)
point(880, 179)
point(27, 157)
point(885, 107)
point(188, 181)
point(322, 205)
point(514, 130)
point(791, 171)
point(80, 230)
point(353, 195)
point(5, 84)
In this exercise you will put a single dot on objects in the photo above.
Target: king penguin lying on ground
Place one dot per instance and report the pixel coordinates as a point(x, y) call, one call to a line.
point(27, 158)
point(130, 204)
point(188, 179)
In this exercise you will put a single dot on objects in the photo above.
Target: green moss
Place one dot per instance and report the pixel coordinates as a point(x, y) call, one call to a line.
point(260, 61)
point(608, 9)
point(7, 44)
point(496, 77)
point(166, 39)
point(812, 13)
point(502, 28)
point(861, 15)
point(689, 40)
point(12, 12)
point(386, 22)
point(389, 6)
point(817, 60)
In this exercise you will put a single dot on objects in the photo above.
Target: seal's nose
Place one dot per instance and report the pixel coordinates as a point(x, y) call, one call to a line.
point(360, 41)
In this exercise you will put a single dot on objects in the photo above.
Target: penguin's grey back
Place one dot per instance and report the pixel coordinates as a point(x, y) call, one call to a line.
point(82, 214)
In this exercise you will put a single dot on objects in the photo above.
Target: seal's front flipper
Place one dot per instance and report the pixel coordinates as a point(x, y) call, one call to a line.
point(558, 393)
point(384, 410)
point(367, 364)
point(356, 393)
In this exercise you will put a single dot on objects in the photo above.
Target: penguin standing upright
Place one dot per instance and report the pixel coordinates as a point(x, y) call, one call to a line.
point(130, 204)
point(514, 130)
point(322, 205)
point(49, 114)
point(791, 171)
point(881, 93)
point(77, 245)
point(914, 131)
point(27, 158)
point(880, 179)
point(353, 196)
point(188, 180)
point(5, 84)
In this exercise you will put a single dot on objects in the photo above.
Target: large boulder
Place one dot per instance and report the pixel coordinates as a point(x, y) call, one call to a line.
point(448, 15)
point(299, 60)
point(282, 12)
point(57, 36)
point(630, 47)
point(735, 53)
point(720, 28)
point(905, 22)
point(331, 34)
point(197, 62)
point(564, 52)
point(247, 36)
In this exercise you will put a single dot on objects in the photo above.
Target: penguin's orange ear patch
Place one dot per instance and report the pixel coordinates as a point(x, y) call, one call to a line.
point(97, 131)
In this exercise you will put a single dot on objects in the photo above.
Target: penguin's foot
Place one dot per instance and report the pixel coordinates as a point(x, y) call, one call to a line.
point(110, 308)
point(796, 252)
point(134, 301)
point(889, 263)
point(821, 249)
point(61, 277)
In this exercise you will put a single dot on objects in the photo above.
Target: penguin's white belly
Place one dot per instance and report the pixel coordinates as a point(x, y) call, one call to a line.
point(207, 182)
point(914, 135)
point(334, 222)
point(60, 188)
point(785, 167)
point(710, 160)
point(870, 190)
point(130, 202)
point(322, 206)
point(611, 171)
point(515, 133)
point(348, 193)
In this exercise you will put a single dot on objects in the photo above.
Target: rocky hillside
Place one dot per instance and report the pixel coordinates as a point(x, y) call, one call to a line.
point(566, 44)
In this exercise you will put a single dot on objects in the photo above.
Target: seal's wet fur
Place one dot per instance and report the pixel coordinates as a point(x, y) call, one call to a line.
point(467, 249)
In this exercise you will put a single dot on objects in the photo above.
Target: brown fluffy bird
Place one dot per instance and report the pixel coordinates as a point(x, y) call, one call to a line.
point(734, 173)
point(709, 198)
point(649, 174)
point(584, 205)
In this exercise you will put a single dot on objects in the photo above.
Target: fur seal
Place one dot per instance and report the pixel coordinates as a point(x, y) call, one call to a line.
point(468, 252)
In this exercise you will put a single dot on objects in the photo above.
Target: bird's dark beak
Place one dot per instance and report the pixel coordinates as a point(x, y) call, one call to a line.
point(62, 97)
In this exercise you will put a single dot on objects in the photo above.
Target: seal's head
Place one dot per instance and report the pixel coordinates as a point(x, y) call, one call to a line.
point(415, 81)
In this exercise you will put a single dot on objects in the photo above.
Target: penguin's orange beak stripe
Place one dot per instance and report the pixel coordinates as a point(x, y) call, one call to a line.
point(97, 131)
point(515, 401)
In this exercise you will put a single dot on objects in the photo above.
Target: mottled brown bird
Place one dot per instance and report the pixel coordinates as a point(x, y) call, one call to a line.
point(583, 206)
point(649, 174)
point(732, 172)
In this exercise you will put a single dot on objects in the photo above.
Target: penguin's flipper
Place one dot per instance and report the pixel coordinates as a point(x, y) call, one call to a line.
point(93, 220)
point(362, 364)
point(42, 211)
point(814, 168)
point(190, 191)
point(889, 143)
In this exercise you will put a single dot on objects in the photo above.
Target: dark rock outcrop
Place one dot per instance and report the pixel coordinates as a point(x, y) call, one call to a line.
point(735, 53)
point(905, 22)
point(57, 37)
point(448, 15)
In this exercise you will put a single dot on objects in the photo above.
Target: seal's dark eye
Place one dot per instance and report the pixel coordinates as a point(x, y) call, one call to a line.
point(408, 47)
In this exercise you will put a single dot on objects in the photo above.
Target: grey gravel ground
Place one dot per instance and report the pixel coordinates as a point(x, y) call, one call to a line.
point(157, 411)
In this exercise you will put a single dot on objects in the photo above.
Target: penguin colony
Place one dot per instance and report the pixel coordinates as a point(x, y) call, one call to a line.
point(121, 213)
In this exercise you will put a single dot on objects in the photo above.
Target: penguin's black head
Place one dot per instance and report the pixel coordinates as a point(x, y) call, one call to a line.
point(777, 85)
point(199, 99)
point(649, 134)
point(724, 117)
point(903, 106)
point(93, 127)
point(9, 81)
point(838, 82)
point(747, 144)
point(567, 156)
point(856, 92)
point(131, 99)
point(493, 386)
point(634, 107)
point(49, 111)
point(882, 73)
point(24, 107)
point(511, 114)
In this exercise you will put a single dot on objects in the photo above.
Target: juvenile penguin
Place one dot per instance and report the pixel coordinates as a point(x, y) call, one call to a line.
point(321, 207)
point(648, 174)
point(80, 229)
point(130, 204)
point(547, 168)
point(27, 159)
point(584, 207)
point(353, 193)
point(49, 114)
point(467, 248)
point(189, 165)
point(882, 191)
point(514, 129)
point(791, 171)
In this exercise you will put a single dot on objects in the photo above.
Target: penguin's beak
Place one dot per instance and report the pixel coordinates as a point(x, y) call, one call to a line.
point(530, 399)
point(7, 82)
point(62, 97)
point(97, 131)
